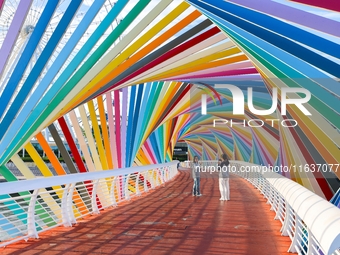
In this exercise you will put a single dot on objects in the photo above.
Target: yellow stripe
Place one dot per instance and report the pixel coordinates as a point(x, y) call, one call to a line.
point(38, 160)
point(82, 142)
point(97, 134)
point(194, 64)
point(105, 132)
point(90, 140)
point(20, 164)
point(48, 199)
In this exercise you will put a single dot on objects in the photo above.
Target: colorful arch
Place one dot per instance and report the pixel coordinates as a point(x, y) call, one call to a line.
point(117, 85)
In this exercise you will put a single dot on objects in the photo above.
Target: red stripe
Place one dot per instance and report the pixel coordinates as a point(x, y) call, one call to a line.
point(327, 4)
point(147, 147)
point(76, 155)
point(172, 53)
point(72, 145)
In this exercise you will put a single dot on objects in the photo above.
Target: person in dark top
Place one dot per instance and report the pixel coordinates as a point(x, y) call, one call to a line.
point(196, 175)
point(224, 178)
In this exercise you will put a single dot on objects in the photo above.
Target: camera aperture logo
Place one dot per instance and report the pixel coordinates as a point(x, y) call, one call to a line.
point(238, 106)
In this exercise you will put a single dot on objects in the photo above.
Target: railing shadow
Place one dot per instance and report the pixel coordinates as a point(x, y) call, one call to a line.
point(168, 220)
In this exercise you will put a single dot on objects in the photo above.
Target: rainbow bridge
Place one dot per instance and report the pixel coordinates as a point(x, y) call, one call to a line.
point(95, 95)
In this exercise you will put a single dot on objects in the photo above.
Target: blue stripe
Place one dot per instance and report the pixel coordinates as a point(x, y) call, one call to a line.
point(39, 66)
point(57, 64)
point(279, 63)
point(279, 27)
point(27, 54)
point(143, 117)
point(60, 82)
point(277, 40)
point(135, 120)
point(154, 145)
point(129, 127)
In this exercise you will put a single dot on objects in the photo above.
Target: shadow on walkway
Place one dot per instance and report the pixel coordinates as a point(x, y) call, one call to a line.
point(170, 220)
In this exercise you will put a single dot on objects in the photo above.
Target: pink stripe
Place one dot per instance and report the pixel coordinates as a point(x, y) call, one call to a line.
point(1, 5)
point(111, 129)
point(124, 116)
point(13, 32)
point(327, 4)
point(150, 152)
point(117, 125)
point(147, 153)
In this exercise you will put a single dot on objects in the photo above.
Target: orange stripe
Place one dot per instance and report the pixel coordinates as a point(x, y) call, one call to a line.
point(58, 168)
point(50, 154)
point(105, 132)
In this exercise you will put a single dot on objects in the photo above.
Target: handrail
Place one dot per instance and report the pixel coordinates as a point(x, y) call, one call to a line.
point(31, 206)
point(316, 221)
point(12, 187)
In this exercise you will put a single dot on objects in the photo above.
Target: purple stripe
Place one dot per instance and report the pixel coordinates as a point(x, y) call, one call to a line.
point(13, 32)
point(292, 14)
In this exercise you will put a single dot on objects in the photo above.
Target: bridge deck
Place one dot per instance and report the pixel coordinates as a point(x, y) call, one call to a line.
point(170, 221)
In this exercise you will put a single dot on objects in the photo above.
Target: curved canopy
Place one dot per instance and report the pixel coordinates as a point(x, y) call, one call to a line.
point(119, 83)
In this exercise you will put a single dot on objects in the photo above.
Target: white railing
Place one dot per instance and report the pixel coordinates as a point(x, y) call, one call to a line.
point(204, 163)
point(311, 222)
point(32, 206)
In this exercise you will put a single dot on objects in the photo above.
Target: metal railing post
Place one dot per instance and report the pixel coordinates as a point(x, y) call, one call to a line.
point(64, 210)
point(275, 200)
point(126, 188)
point(279, 208)
point(137, 185)
point(285, 227)
point(152, 181)
point(310, 242)
point(293, 246)
point(112, 192)
point(31, 229)
point(157, 182)
point(146, 189)
point(69, 203)
point(94, 205)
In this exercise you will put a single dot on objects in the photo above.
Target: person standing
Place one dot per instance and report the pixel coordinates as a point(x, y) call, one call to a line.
point(196, 175)
point(224, 178)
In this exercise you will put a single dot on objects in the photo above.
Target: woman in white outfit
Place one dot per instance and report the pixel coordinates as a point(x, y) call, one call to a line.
point(224, 178)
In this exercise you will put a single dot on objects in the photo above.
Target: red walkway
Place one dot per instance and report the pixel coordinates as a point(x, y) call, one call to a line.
point(170, 221)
